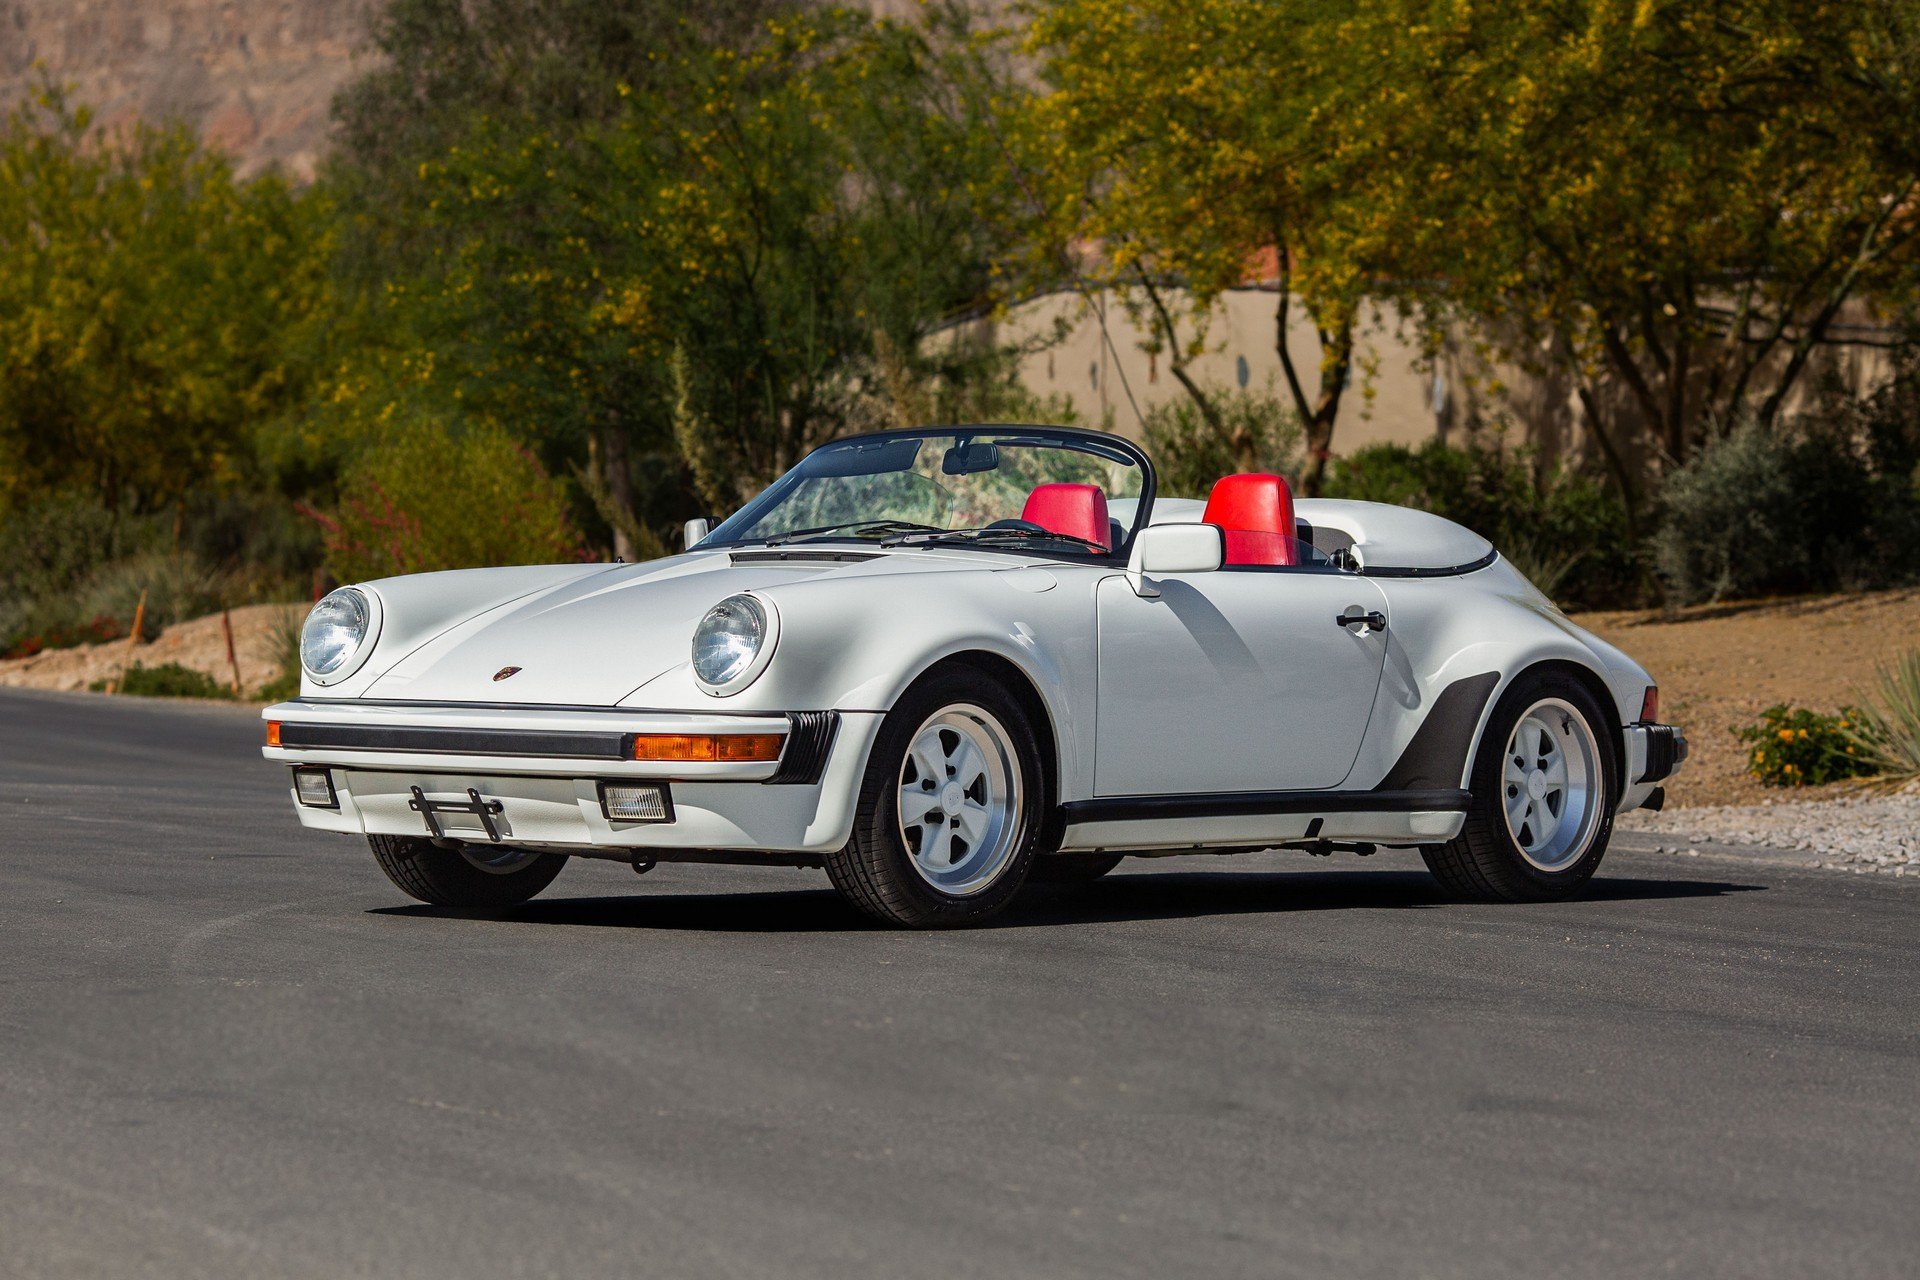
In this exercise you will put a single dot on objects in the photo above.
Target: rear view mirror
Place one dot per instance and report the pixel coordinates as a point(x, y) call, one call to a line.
point(967, 459)
point(1173, 548)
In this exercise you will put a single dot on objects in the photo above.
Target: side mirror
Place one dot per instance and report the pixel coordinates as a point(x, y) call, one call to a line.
point(1173, 548)
point(693, 531)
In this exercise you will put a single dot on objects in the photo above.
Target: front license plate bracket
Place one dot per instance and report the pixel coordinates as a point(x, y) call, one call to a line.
point(474, 804)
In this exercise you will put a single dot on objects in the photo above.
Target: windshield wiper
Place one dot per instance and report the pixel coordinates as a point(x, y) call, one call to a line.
point(858, 528)
point(982, 535)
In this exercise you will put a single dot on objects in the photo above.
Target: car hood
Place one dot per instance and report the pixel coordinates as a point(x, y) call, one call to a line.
point(585, 643)
point(591, 641)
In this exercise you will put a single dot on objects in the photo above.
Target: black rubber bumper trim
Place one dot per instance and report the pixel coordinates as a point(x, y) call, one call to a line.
point(543, 743)
point(1245, 804)
point(1666, 748)
point(810, 736)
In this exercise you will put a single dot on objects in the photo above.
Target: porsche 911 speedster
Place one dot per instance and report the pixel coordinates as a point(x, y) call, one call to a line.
point(941, 663)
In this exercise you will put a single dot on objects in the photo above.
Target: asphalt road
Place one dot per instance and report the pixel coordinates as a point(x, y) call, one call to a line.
point(229, 1048)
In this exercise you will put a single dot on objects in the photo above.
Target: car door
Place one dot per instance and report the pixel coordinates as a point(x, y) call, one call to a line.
point(1237, 680)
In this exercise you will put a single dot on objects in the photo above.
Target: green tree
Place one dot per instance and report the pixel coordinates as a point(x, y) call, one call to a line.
point(1674, 198)
point(1184, 140)
point(763, 205)
point(151, 308)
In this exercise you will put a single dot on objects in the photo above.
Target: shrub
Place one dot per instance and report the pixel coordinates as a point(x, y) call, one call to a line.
point(433, 499)
point(1189, 455)
point(1801, 748)
point(285, 631)
point(175, 585)
point(1888, 728)
point(1568, 534)
point(1760, 512)
point(169, 680)
point(48, 550)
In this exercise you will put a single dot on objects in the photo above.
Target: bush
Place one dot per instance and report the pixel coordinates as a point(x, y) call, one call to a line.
point(49, 549)
point(169, 680)
point(1889, 727)
point(1801, 748)
point(1758, 512)
point(1189, 455)
point(176, 587)
point(433, 499)
point(1567, 535)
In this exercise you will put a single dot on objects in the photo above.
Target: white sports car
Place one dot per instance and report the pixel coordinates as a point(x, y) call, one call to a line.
point(941, 662)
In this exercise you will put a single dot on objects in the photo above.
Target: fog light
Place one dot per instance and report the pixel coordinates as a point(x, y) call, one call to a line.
point(314, 787)
point(635, 802)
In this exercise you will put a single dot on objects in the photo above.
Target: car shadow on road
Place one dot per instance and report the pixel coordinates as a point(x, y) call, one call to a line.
point(1161, 895)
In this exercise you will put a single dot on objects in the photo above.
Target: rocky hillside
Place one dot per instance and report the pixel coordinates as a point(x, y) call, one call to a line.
point(254, 76)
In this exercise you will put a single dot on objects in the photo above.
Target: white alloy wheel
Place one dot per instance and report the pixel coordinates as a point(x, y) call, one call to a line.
point(960, 799)
point(1550, 785)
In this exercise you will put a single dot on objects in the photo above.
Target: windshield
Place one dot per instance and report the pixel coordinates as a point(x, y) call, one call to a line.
point(1056, 491)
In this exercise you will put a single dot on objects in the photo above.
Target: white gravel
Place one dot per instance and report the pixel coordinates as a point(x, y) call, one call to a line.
point(1865, 832)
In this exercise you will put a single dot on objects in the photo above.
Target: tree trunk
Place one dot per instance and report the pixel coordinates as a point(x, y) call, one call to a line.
point(618, 470)
point(1335, 366)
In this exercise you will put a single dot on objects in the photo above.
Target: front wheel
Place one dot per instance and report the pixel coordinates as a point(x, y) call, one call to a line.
point(1543, 788)
point(951, 808)
point(470, 877)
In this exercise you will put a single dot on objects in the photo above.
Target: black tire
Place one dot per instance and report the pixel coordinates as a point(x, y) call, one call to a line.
point(444, 878)
point(1485, 862)
point(1072, 869)
point(877, 873)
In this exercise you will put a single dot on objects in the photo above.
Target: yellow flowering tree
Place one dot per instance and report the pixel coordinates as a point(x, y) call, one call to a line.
point(1180, 149)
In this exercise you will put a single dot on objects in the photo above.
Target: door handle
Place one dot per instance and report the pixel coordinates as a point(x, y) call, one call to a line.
point(1374, 621)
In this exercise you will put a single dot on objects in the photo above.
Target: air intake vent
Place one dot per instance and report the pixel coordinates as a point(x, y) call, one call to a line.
point(809, 742)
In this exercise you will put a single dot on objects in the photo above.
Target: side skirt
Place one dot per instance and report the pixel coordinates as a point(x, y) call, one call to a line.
point(1262, 819)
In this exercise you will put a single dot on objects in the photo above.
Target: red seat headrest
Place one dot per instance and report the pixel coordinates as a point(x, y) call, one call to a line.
point(1077, 510)
point(1255, 513)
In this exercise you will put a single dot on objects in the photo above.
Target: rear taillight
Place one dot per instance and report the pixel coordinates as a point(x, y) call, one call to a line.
point(1650, 705)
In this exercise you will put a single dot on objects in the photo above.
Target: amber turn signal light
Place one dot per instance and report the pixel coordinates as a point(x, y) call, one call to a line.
point(273, 733)
point(1650, 705)
point(716, 748)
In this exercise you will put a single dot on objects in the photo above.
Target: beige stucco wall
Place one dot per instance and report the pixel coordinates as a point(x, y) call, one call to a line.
point(1102, 364)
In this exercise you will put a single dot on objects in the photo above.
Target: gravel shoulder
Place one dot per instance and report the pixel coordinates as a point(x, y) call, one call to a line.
point(1863, 831)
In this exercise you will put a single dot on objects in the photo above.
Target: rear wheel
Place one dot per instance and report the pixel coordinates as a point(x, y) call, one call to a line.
point(1543, 786)
point(471, 877)
point(950, 810)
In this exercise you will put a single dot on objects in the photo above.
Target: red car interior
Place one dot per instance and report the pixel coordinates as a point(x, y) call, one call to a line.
point(1255, 515)
point(1077, 510)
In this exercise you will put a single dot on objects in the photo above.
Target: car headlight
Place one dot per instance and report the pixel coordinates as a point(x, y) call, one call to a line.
point(336, 634)
point(733, 644)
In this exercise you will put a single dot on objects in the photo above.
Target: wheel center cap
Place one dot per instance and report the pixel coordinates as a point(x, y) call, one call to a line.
point(950, 797)
point(1536, 784)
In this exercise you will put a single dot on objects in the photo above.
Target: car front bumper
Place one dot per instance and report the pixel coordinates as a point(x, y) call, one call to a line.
point(539, 774)
point(1655, 753)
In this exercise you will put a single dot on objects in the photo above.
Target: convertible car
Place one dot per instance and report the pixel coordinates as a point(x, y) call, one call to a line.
point(941, 663)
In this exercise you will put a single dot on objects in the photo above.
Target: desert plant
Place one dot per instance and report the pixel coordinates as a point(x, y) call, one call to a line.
point(175, 585)
point(1758, 512)
point(1887, 732)
point(285, 634)
point(168, 680)
point(1802, 748)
